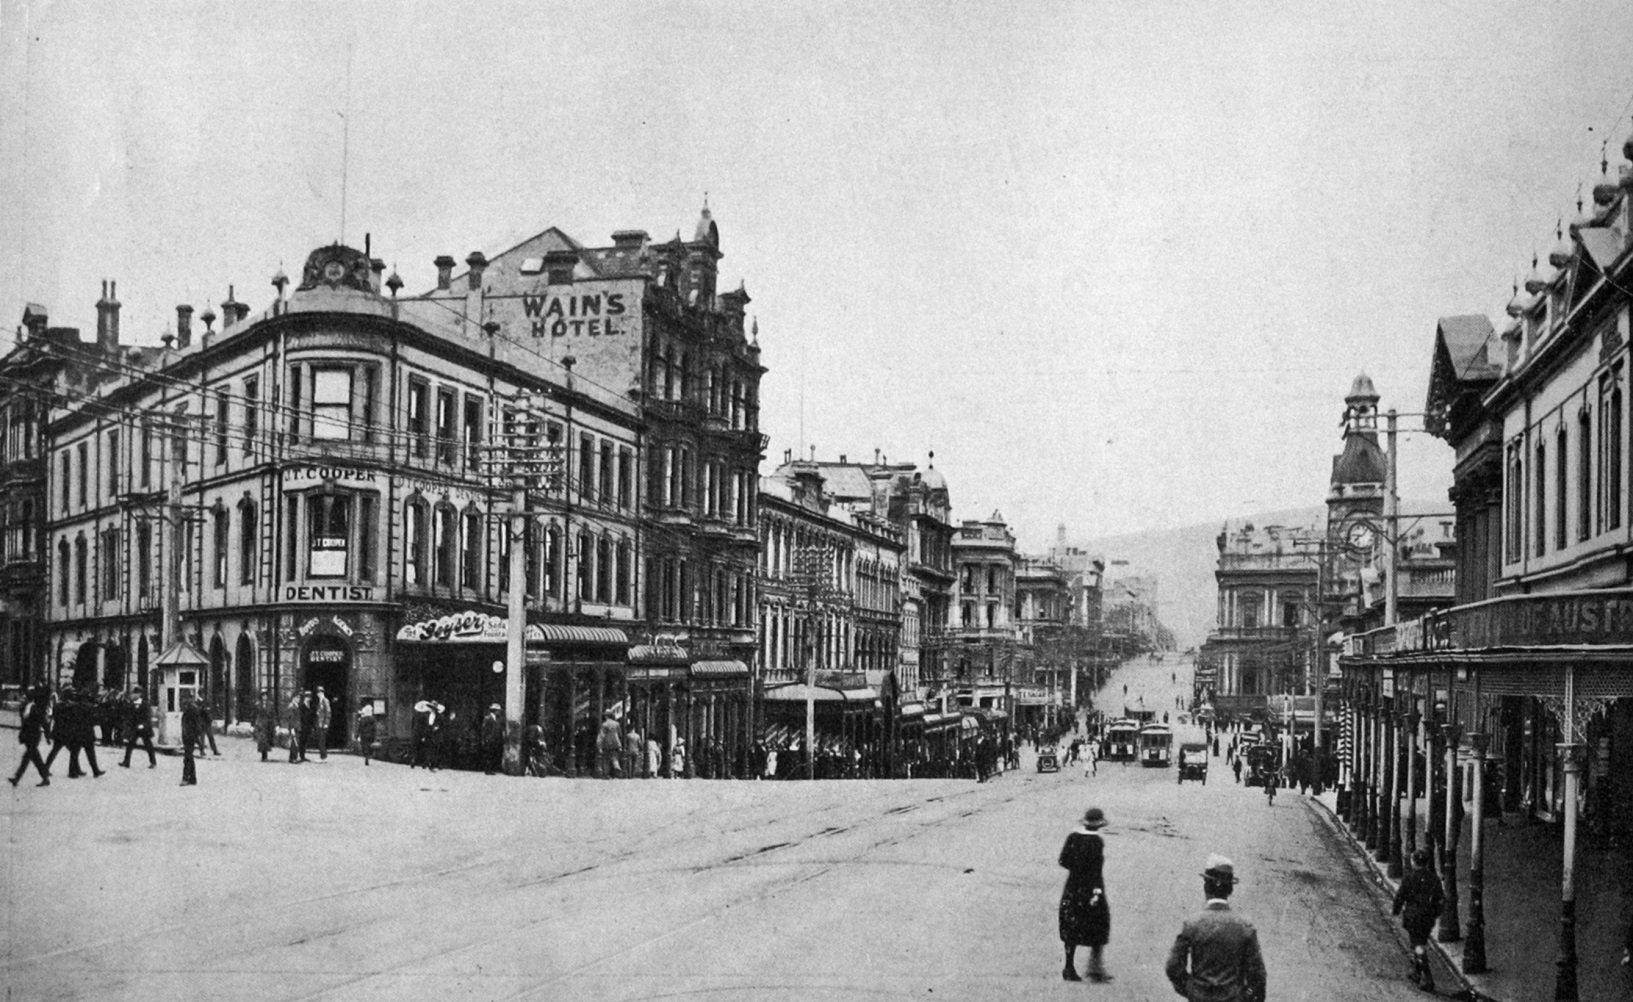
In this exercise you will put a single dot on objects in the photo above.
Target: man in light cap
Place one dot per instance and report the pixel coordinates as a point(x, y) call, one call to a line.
point(1216, 956)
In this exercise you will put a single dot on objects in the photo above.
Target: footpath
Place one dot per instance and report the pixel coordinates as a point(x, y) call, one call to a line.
point(1522, 890)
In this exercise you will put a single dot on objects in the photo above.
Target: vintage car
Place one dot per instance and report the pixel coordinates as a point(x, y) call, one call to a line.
point(1193, 762)
point(1048, 760)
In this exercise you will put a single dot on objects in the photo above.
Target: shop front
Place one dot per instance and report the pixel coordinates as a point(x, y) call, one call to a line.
point(849, 726)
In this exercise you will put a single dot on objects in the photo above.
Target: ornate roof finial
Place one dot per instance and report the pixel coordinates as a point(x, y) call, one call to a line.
point(755, 329)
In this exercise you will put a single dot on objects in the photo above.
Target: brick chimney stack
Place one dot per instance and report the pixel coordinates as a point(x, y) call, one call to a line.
point(107, 318)
point(232, 311)
point(184, 325)
point(445, 271)
point(478, 263)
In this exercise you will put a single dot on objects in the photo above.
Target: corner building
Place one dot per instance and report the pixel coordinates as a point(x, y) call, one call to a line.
point(342, 525)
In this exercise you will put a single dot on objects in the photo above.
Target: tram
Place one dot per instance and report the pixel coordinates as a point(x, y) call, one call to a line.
point(1122, 741)
point(1157, 745)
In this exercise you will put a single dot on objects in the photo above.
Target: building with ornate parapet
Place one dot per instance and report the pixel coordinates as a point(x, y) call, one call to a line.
point(325, 486)
point(1267, 578)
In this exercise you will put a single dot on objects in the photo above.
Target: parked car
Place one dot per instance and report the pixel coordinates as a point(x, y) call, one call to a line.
point(1048, 760)
point(1193, 762)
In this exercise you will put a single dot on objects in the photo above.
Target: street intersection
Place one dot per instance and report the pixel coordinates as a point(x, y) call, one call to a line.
point(339, 881)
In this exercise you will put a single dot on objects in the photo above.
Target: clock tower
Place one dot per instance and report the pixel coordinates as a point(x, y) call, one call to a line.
point(1357, 485)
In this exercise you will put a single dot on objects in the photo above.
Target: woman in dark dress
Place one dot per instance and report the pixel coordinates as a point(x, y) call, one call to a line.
point(1085, 917)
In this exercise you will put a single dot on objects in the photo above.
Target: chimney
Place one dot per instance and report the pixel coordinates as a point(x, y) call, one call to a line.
point(107, 318)
point(478, 264)
point(630, 240)
point(445, 271)
point(35, 319)
point(559, 265)
point(841, 459)
point(184, 325)
point(377, 267)
point(232, 310)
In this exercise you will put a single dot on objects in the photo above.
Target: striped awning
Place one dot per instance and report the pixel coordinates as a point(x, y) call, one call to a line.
point(556, 633)
point(719, 669)
point(658, 654)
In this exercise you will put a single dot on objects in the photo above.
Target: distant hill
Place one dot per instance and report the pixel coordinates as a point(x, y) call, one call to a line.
point(1183, 561)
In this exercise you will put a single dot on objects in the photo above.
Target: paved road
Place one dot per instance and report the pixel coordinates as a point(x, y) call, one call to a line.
point(332, 881)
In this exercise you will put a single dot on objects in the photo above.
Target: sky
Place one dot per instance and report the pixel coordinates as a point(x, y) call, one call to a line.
point(1115, 264)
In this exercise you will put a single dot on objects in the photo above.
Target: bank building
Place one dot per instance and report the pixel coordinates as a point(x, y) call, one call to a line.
point(326, 488)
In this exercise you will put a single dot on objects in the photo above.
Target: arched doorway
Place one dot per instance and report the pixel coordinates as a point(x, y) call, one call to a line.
point(216, 697)
point(326, 663)
point(113, 666)
point(246, 678)
point(84, 676)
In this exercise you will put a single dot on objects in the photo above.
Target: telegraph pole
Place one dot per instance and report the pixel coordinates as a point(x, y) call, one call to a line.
point(515, 630)
point(517, 458)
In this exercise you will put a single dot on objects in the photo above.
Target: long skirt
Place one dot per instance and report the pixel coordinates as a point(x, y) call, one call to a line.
point(1085, 916)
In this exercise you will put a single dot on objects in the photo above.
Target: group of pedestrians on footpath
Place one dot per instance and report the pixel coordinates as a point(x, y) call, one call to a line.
point(70, 718)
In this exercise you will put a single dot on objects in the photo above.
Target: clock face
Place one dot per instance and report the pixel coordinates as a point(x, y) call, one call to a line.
point(334, 271)
point(1361, 536)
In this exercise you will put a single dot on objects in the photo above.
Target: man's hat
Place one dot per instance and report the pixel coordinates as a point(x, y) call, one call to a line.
point(1219, 868)
point(495, 707)
point(1094, 819)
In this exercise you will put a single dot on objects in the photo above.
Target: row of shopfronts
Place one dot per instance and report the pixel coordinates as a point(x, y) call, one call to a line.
point(707, 706)
point(1537, 688)
point(1518, 707)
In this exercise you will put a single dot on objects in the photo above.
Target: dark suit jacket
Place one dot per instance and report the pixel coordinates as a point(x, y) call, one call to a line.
point(1216, 958)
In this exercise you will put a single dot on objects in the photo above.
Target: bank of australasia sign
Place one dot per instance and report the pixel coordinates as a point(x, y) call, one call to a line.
point(1586, 618)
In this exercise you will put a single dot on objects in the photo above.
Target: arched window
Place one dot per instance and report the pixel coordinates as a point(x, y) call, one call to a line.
point(586, 554)
point(64, 571)
point(328, 534)
point(1540, 472)
point(416, 541)
point(79, 570)
point(1560, 521)
point(445, 533)
point(471, 557)
point(248, 534)
point(219, 539)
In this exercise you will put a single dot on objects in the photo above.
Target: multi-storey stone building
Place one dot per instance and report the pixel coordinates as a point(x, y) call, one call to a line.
point(1267, 579)
point(830, 572)
point(984, 650)
point(339, 522)
point(1524, 681)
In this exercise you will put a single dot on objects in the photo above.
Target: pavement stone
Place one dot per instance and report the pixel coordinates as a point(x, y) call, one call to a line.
point(1522, 888)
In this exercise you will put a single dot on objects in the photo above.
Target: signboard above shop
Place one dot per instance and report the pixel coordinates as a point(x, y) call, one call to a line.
point(465, 628)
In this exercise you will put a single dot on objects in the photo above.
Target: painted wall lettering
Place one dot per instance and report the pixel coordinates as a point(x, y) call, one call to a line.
point(586, 314)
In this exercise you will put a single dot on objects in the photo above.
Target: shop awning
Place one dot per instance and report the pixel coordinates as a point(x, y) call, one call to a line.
point(911, 710)
point(658, 654)
point(719, 669)
point(797, 693)
point(557, 633)
point(941, 721)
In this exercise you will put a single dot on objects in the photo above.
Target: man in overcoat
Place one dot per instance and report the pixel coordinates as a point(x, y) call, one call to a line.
point(138, 727)
point(1216, 956)
point(191, 735)
point(35, 716)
